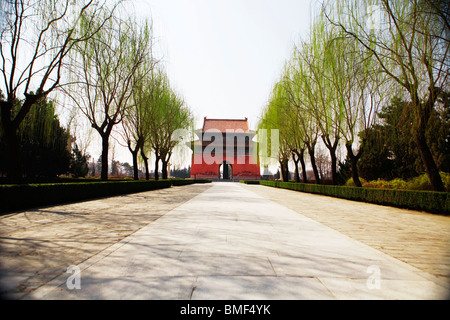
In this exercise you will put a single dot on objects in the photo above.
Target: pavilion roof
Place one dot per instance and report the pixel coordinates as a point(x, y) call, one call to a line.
point(223, 124)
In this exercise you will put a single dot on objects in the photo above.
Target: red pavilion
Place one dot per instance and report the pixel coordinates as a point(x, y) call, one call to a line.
point(225, 150)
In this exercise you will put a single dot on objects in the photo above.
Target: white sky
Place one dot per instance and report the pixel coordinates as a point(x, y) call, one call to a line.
point(223, 56)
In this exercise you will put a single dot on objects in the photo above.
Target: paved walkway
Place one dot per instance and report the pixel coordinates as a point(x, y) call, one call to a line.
point(417, 238)
point(37, 245)
point(233, 241)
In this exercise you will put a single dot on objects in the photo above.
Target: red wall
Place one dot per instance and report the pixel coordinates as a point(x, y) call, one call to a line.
point(211, 171)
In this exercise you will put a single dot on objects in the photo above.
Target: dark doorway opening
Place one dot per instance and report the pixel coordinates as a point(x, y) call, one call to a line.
point(225, 171)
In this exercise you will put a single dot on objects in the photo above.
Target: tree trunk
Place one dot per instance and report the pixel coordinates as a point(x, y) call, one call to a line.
point(284, 170)
point(428, 161)
point(334, 177)
point(332, 149)
point(135, 164)
point(164, 169)
point(354, 163)
point(104, 157)
point(156, 166)
point(302, 162)
point(165, 162)
point(422, 118)
point(134, 153)
point(145, 158)
point(313, 163)
point(296, 173)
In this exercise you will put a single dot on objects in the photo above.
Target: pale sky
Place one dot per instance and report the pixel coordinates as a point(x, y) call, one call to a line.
point(223, 56)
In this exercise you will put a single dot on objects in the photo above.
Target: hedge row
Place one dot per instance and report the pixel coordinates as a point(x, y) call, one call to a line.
point(249, 181)
point(435, 202)
point(183, 182)
point(19, 197)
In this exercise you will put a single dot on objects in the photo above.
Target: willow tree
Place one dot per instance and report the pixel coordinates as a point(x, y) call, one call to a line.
point(361, 94)
point(135, 123)
point(159, 87)
point(297, 141)
point(409, 42)
point(36, 38)
point(355, 86)
point(307, 93)
point(105, 71)
point(149, 98)
point(274, 118)
point(168, 114)
point(322, 100)
point(267, 147)
point(280, 113)
point(177, 116)
point(303, 131)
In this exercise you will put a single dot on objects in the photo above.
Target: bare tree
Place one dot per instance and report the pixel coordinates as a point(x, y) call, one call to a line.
point(36, 38)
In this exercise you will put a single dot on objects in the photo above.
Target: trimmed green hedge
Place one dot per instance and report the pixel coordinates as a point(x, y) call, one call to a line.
point(18, 197)
point(183, 182)
point(249, 181)
point(25, 196)
point(436, 202)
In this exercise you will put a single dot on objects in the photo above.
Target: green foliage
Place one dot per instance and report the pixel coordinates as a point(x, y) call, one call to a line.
point(392, 184)
point(79, 163)
point(44, 143)
point(184, 173)
point(167, 114)
point(421, 182)
point(435, 202)
point(350, 182)
point(390, 150)
point(344, 171)
point(376, 160)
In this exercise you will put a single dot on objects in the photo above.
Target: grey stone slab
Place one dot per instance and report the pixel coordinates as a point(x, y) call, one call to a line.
point(387, 289)
point(260, 288)
point(126, 288)
point(344, 267)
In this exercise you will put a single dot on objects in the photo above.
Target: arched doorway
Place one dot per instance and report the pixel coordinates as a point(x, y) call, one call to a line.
point(225, 171)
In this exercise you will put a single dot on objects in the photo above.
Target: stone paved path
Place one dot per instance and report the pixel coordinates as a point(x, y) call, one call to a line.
point(224, 241)
point(417, 238)
point(37, 245)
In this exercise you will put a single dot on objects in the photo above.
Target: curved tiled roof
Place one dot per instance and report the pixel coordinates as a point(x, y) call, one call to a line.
point(223, 124)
